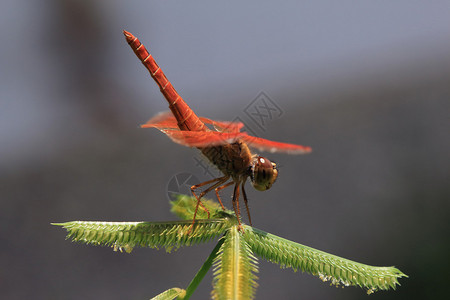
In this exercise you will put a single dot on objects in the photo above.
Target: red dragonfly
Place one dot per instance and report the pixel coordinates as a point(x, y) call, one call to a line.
point(225, 145)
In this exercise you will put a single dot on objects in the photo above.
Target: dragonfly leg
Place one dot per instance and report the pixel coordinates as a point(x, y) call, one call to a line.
point(221, 188)
point(218, 181)
point(236, 206)
point(194, 187)
point(246, 203)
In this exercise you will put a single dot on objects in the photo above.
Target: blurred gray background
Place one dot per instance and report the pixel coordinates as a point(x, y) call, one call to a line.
point(365, 83)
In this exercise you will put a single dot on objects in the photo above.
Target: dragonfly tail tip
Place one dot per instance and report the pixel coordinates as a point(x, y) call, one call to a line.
point(128, 35)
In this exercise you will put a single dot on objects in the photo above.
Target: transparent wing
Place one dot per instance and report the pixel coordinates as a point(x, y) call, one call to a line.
point(203, 138)
point(227, 132)
point(271, 146)
point(224, 126)
point(162, 121)
point(166, 120)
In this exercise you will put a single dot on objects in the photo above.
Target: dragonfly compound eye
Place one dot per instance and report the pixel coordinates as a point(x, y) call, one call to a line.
point(263, 173)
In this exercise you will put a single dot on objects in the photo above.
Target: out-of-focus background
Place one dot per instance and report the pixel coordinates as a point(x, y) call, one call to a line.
point(365, 83)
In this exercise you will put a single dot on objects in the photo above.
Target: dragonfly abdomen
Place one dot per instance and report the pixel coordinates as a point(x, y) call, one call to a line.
point(186, 118)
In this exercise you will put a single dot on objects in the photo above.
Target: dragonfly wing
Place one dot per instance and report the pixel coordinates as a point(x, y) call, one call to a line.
point(203, 139)
point(224, 126)
point(162, 121)
point(227, 132)
point(166, 120)
point(271, 146)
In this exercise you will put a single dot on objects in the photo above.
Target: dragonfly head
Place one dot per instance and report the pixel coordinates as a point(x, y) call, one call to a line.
point(263, 173)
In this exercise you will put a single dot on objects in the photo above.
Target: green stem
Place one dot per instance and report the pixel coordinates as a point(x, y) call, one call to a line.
point(203, 270)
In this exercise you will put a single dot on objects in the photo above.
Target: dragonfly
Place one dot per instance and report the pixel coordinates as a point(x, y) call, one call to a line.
point(221, 142)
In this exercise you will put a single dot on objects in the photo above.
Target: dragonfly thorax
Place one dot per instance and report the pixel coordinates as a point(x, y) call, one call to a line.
point(263, 173)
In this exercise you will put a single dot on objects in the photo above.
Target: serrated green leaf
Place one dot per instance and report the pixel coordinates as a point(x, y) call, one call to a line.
point(124, 236)
point(328, 267)
point(184, 208)
point(234, 268)
point(170, 294)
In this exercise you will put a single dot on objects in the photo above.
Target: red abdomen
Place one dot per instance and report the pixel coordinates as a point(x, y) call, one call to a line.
point(186, 118)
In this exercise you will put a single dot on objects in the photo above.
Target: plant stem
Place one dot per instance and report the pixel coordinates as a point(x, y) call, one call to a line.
point(203, 270)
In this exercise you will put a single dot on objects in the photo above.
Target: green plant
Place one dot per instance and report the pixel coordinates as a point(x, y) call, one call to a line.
point(234, 259)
